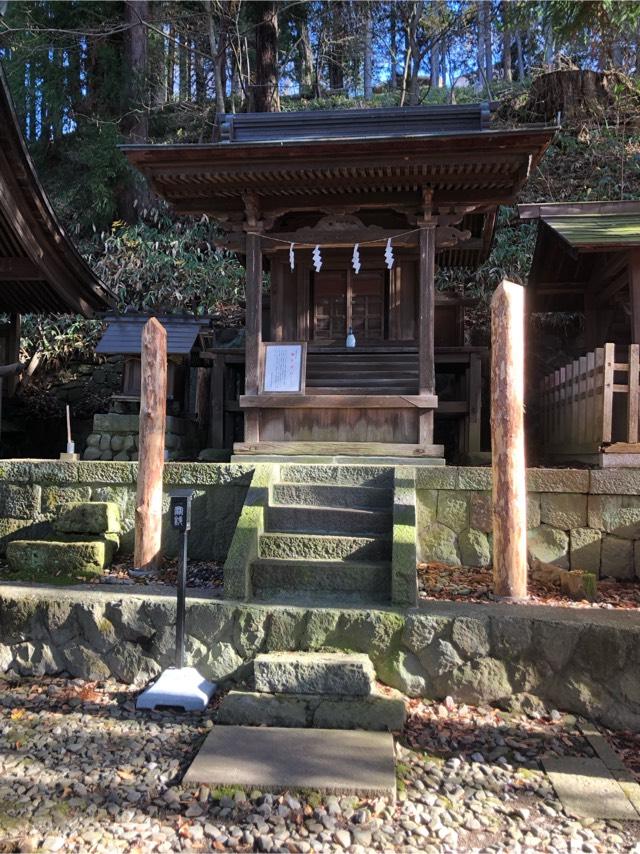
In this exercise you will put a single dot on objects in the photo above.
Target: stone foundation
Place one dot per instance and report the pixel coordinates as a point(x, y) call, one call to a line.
point(585, 661)
point(577, 519)
point(115, 437)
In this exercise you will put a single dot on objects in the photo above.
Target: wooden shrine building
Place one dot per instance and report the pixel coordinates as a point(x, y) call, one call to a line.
point(40, 269)
point(587, 261)
point(294, 193)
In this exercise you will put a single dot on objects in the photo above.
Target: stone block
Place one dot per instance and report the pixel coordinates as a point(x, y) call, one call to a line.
point(247, 708)
point(91, 454)
point(563, 510)
point(110, 472)
point(65, 561)
point(474, 477)
point(438, 477)
point(404, 579)
point(474, 548)
point(53, 471)
point(106, 456)
point(615, 514)
point(84, 663)
point(121, 457)
point(510, 637)
point(20, 501)
point(89, 517)
point(471, 636)
point(16, 470)
point(117, 443)
point(584, 550)
point(378, 712)
point(615, 481)
point(54, 496)
point(438, 544)
point(11, 529)
point(209, 474)
point(340, 674)
point(105, 442)
point(558, 480)
point(93, 440)
point(480, 511)
point(112, 422)
point(453, 510)
point(482, 681)
point(617, 559)
point(549, 545)
point(426, 506)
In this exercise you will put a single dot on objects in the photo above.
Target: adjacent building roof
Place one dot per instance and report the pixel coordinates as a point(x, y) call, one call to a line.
point(347, 159)
point(40, 269)
point(580, 245)
point(124, 334)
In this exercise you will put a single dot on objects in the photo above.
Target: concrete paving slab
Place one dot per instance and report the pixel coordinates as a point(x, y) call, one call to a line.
point(587, 789)
point(275, 758)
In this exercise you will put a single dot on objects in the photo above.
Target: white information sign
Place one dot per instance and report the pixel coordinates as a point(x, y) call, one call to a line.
point(283, 368)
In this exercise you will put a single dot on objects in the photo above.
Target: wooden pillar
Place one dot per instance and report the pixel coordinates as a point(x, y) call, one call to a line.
point(153, 409)
point(13, 351)
point(253, 332)
point(426, 309)
point(509, 503)
point(216, 403)
point(634, 294)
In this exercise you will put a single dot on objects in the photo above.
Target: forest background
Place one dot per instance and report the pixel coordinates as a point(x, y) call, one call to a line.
point(88, 75)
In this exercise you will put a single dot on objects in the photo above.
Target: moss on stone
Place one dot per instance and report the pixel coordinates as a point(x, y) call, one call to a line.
point(89, 517)
point(61, 562)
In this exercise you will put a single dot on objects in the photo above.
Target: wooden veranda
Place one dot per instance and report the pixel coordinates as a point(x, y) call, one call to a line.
point(429, 180)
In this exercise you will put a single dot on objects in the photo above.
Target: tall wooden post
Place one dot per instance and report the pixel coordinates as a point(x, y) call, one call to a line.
point(153, 409)
point(507, 442)
point(426, 279)
point(253, 334)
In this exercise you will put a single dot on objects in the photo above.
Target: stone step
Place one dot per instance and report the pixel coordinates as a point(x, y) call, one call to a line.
point(340, 674)
point(338, 475)
point(272, 576)
point(65, 561)
point(330, 495)
point(380, 711)
point(324, 547)
point(327, 520)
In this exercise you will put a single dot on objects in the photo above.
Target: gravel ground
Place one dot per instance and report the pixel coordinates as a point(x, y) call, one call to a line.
point(80, 770)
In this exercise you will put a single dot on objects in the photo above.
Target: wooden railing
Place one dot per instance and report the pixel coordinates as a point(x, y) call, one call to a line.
point(592, 402)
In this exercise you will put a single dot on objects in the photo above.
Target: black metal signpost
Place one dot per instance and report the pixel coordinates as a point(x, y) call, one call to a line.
point(179, 686)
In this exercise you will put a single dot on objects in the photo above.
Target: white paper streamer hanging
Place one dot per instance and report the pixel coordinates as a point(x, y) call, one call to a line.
point(292, 257)
point(355, 258)
point(317, 259)
point(388, 255)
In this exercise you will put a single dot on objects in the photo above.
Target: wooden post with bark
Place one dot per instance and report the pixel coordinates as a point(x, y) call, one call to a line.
point(509, 505)
point(153, 407)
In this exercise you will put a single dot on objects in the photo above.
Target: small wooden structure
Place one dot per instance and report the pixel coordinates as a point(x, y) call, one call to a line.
point(40, 269)
point(187, 338)
point(587, 260)
point(427, 179)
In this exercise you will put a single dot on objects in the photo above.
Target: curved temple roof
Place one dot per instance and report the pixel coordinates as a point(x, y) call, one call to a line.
point(346, 159)
point(40, 268)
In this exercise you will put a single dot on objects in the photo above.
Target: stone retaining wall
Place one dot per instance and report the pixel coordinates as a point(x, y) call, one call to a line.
point(32, 491)
point(578, 519)
point(584, 661)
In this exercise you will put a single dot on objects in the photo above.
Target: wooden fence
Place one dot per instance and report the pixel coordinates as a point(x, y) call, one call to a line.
point(592, 402)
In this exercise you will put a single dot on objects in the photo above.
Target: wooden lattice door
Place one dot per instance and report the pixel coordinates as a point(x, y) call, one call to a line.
point(342, 299)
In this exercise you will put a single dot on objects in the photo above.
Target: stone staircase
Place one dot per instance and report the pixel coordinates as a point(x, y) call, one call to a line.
point(326, 690)
point(327, 533)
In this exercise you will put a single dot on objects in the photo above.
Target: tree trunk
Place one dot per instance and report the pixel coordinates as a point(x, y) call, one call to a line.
point(393, 53)
point(509, 503)
point(368, 53)
point(153, 406)
point(171, 63)
point(506, 43)
point(520, 56)
point(336, 47)
point(488, 50)
point(136, 124)
point(305, 59)
point(265, 92)
point(414, 84)
point(434, 78)
point(218, 48)
point(480, 50)
point(183, 59)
